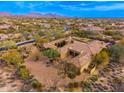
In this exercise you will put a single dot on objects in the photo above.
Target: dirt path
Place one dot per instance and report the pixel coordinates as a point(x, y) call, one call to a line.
point(48, 75)
point(42, 73)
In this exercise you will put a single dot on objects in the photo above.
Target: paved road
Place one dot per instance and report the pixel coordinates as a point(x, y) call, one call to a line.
point(20, 44)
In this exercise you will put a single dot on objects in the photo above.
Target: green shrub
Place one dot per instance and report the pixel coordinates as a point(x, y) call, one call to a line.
point(101, 58)
point(70, 85)
point(86, 86)
point(23, 73)
point(117, 37)
point(36, 85)
point(51, 53)
point(8, 44)
point(13, 57)
point(93, 78)
point(86, 34)
point(110, 33)
point(121, 42)
point(73, 85)
point(71, 70)
point(117, 52)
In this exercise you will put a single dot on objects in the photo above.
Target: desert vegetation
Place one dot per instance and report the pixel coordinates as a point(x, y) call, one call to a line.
point(103, 73)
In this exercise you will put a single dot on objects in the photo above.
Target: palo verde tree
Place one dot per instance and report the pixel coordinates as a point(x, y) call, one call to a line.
point(13, 57)
point(101, 58)
point(8, 44)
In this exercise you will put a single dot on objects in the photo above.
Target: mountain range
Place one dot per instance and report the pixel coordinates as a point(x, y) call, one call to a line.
point(36, 15)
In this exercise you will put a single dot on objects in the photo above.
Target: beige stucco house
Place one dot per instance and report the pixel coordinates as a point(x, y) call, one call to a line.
point(76, 52)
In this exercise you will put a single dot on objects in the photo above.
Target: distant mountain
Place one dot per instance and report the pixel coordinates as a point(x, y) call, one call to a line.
point(49, 15)
point(5, 14)
point(36, 15)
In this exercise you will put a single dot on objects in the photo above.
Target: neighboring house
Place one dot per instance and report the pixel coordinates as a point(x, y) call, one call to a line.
point(3, 37)
point(16, 36)
point(76, 52)
point(4, 26)
point(94, 28)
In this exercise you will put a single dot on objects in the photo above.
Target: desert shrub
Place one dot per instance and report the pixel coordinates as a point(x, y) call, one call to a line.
point(35, 54)
point(59, 34)
point(73, 85)
point(23, 73)
point(109, 32)
point(71, 70)
point(11, 30)
point(98, 37)
point(76, 84)
point(117, 37)
point(101, 58)
point(26, 35)
point(86, 34)
point(24, 51)
point(117, 52)
point(41, 33)
point(40, 41)
point(36, 85)
point(121, 42)
point(13, 57)
point(93, 78)
point(86, 86)
point(70, 85)
point(51, 53)
point(8, 44)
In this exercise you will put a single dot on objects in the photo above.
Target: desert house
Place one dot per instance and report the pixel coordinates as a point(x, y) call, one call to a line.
point(76, 52)
point(3, 37)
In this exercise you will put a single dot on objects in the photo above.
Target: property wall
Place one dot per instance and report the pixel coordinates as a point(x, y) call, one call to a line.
point(63, 54)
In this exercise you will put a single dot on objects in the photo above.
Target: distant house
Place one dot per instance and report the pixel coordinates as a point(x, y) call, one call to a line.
point(4, 26)
point(3, 37)
point(17, 36)
point(76, 52)
point(95, 29)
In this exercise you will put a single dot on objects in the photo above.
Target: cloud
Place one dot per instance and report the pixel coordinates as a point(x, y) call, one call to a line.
point(83, 4)
point(73, 7)
point(20, 4)
point(85, 7)
point(118, 6)
point(32, 6)
point(70, 7)
point(40, 5)
point(77, 7)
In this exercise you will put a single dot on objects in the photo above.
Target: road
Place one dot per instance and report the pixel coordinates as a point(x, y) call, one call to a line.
point(20, 44)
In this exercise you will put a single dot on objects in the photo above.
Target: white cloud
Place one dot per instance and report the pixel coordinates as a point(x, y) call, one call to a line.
point(83, 4)
point(118, 6)
point(70, 7)
point(73, 7)
point(81, 7)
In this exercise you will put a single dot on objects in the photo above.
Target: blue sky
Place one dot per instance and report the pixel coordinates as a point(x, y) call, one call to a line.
point(67, 8)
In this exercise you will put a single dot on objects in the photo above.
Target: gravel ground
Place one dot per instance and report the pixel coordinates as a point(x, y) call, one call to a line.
point(9, 82)
point(106, 80)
